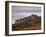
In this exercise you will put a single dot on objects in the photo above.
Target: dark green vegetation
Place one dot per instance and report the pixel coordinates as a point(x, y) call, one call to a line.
point(27, 25)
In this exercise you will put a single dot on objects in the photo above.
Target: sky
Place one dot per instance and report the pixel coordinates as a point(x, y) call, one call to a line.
point(24, 11)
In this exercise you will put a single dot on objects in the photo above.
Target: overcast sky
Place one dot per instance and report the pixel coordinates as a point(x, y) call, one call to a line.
point(24, 11)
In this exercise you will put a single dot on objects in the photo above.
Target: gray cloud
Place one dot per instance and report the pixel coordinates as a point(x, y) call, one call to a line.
point(26, 9)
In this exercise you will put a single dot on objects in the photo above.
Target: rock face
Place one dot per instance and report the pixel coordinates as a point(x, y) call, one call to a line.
point(22, 20)
point(34, 18)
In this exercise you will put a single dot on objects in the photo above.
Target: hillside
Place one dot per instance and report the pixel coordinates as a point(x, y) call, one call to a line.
point(27, 25)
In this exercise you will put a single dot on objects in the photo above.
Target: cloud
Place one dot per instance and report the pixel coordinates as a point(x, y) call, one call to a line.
point(26, 9)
